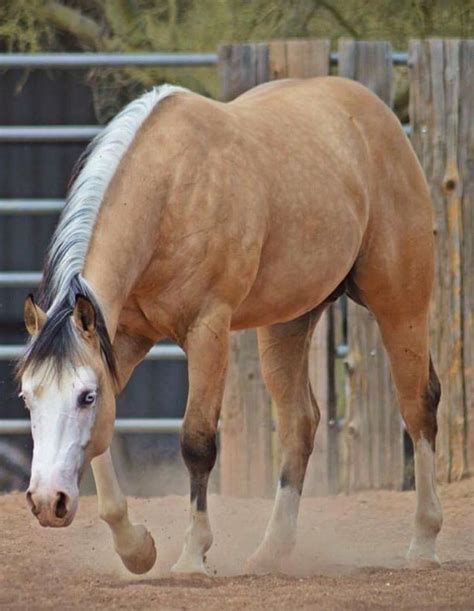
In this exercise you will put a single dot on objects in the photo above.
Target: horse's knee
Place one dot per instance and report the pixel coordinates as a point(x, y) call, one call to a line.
point(297, 445)
point(112, 513)
point(198, 449)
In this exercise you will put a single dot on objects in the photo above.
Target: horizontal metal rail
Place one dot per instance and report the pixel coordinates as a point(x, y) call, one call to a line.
point(399, 58)
point(104, 60)
point(49, 133)
point(33, 207)
point(117, 60)
point(161, 352)
point(122, 425)
point(19, 279)
point(62, 133)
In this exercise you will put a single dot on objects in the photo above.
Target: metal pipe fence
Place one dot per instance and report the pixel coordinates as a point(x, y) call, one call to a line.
point(19, 279)
point(32, 207)
point(84, 133)
point(122, 425)
point(69, 61)
point(117, 60)
point(49, 133)
point(160, 352)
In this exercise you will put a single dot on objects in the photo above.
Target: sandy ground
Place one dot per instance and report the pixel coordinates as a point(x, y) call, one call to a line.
point(350, 554)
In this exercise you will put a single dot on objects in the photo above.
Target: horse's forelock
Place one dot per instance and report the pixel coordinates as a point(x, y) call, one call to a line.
point(58, 343)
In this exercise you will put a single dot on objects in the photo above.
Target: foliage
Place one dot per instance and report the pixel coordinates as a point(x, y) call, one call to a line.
point(200, 25)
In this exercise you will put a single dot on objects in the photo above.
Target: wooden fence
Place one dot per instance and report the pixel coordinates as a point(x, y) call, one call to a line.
point(360, 441)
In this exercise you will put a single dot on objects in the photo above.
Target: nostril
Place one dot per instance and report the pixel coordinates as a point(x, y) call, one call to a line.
point(31, 503)
point(60, 507)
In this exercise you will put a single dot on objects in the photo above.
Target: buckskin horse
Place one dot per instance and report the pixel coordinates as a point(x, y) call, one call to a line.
point(189, 218)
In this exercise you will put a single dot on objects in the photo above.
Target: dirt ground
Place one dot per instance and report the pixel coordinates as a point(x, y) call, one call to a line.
point(350, 554)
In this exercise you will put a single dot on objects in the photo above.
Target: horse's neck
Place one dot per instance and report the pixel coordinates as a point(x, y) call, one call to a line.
point(123, 243)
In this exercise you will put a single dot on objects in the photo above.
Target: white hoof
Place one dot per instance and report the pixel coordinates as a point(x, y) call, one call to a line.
point(422, 556)
point(189, 566)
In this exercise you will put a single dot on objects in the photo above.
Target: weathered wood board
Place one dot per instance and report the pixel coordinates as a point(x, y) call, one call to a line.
point(373, 429)
point(442, 121)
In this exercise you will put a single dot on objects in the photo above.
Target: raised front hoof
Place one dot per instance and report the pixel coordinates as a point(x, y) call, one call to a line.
point(143, 557)
point(189, 566)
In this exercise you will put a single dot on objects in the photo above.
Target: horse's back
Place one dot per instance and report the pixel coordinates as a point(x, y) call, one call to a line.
point(284, 184)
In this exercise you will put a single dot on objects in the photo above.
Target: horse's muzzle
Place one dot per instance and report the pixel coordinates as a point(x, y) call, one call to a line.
point(56, 509)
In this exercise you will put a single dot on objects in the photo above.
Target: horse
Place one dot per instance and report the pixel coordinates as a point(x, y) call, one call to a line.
point(189, 218)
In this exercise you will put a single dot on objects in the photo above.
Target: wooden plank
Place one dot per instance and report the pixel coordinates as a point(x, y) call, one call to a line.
point(466, 171)
point(435, 86)
point(452, 187)
point(246, 431)
point(298, 58)
point(245, 452)
point(370, 63)
point(241, 67)
point(373, 425)
point(306, 59)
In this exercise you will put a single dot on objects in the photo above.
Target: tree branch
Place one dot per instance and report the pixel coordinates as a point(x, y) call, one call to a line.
point(339, 18)
point(70, 20)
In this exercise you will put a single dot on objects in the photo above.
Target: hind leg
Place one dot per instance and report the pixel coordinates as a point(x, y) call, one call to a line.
point(398, 292)
point(284, 360)
point(419, 393)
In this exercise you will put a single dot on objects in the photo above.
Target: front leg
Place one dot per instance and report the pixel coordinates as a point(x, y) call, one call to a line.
point(133, 543)
point(207, 346)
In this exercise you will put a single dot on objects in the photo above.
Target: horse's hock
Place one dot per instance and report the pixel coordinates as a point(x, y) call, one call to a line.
point(361, 442)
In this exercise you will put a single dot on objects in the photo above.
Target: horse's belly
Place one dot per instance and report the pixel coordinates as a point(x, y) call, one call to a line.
point(282, 293)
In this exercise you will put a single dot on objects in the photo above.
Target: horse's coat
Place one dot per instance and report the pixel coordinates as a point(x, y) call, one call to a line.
point(254, 213)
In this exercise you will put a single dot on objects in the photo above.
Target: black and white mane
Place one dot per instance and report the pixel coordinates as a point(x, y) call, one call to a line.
point(62, 280)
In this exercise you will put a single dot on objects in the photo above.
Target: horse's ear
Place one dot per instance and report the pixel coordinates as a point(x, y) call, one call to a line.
point(84, 315)
point(33, 315)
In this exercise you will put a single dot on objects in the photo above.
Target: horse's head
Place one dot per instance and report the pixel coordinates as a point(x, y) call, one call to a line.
point(67, 383)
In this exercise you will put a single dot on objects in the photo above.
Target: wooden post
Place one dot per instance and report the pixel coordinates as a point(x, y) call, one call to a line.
point(306, 59)
point(298, 58)
point(466, 171)
point(246, 439)
point(241, 67)
point(246, 422)
point(441, 116)
point(246, 432)
point(373, 425)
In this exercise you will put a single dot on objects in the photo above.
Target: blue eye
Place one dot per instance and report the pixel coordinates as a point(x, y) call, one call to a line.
point(86, 398)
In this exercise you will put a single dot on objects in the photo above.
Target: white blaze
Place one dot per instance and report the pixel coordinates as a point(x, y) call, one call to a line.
point(60, 427)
